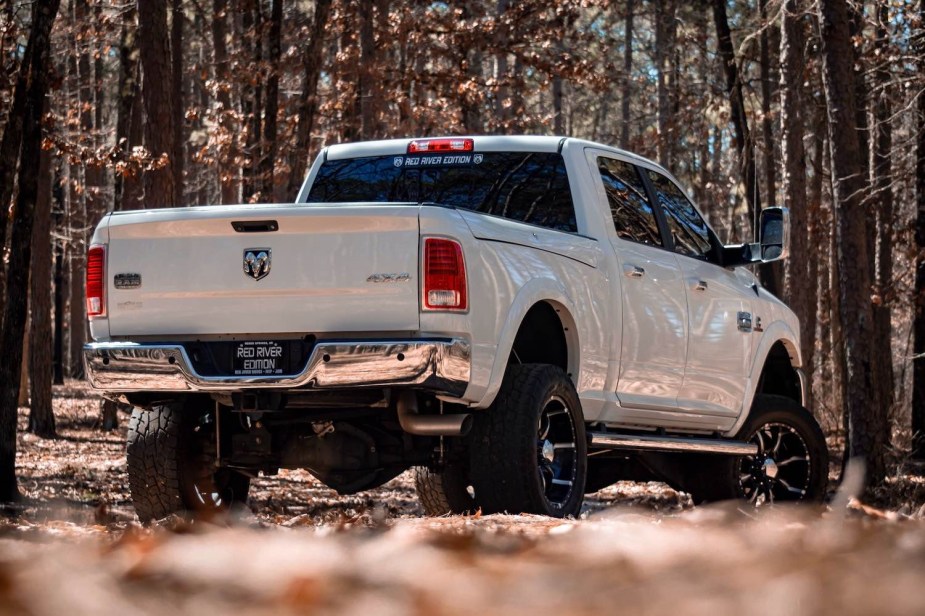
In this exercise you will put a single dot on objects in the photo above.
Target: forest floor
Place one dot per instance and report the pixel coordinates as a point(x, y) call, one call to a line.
point(77, 548)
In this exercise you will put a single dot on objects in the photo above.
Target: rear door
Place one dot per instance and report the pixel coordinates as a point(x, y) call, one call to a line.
point(718, 350)
point(654, 324)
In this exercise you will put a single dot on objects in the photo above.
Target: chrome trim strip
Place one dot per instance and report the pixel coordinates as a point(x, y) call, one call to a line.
point(804, 394)
point(437, 365)
point(638, 442)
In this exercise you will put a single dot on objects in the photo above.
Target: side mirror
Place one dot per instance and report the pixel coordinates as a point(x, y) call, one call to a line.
point(774, 234)
point(773, 241)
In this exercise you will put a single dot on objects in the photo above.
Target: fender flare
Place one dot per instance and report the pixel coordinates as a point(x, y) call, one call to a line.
point(778, 331)
point(535, 291)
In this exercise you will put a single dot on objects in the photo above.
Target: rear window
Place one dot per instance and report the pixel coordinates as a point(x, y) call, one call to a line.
point(530, 187)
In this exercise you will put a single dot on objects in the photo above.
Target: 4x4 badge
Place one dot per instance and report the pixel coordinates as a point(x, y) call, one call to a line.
point(257, 262)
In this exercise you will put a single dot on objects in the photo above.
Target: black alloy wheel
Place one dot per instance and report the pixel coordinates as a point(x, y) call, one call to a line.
point(556, 452)
point(528, 452)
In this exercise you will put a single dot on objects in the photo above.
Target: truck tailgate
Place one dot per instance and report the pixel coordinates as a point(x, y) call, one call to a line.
point(331, 269)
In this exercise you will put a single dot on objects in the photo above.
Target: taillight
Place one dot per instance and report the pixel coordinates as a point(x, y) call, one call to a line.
point(96, 281)
point(420, 146)
point(444, 275)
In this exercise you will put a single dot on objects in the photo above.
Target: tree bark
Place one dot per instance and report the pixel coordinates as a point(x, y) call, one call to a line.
point(14, 311)
point(802, 211)
point(308, 98)
point(41, 417)
point(268, 166)
point(663, 15)
point(868, 427)
point(882, 192)
point(502, 79)
point(128, 99)
point(365, 71)
point(767, 124)
point(918, 373)
point(228, 174)
point(176, 98)
point(161, 189)
point(744, 144)
point(627, 75)
point(60, 283)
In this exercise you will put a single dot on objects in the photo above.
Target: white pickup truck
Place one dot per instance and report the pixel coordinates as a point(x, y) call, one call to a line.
point(523, 320)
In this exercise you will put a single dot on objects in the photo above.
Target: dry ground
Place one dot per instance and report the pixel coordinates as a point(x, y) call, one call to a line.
point(637, 549)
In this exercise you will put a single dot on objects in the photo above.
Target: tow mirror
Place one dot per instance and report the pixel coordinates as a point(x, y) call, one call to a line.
point(774, 234)
point(773, 240)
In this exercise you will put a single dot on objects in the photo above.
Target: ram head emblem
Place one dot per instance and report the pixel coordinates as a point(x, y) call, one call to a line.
point(257, 262)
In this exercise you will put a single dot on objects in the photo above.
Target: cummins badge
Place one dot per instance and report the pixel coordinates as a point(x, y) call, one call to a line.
point(257, 262)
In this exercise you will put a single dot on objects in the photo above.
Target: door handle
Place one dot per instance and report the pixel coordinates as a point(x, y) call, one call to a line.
point(633, 271)
point(700, 285)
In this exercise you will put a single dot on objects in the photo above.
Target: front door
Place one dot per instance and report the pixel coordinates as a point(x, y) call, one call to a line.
point(720, 346)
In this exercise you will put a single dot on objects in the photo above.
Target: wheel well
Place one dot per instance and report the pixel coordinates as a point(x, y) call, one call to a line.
point(540, 339)
point(778, 376)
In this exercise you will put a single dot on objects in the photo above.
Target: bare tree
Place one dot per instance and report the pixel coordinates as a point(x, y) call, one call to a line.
point(918, 373)
point(161, 189)
point(268, 160)
point(627, 75)
point(737, 106)
point(41, 416)
point(802, 287)
point(308, 96)
point(868, 426)
point(881, 178)
point(14, 310)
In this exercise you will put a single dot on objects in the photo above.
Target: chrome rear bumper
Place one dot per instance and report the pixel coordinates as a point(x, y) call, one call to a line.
point(441, 366)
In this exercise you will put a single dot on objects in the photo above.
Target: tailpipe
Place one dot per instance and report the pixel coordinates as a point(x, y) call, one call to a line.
point(413, 422)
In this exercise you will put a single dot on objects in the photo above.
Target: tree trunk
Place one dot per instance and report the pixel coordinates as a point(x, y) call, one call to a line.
point(737, 107)
point(251, 97)
point(268, 161)
point(627, 76)
point(365, 70)
point(663, 14)
point(14, 311)
point(41, 417)
point(308, 99)
point(161, 189)
point(802, 211)
point(502, 79)
point(869, 435)
point(10, 144)
point(882, 191)
point(128, 99)
point(228, 174)
point(176, 99)
point(60, 284)
point(767, 134)
point(918, 373)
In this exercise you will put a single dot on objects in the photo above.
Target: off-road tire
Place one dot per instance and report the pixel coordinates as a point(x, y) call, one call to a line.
point(164, 465)
point(504, 461)
point(718, 478)
point(444, 492)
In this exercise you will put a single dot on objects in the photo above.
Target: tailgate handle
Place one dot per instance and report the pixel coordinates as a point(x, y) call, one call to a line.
point(254, 226)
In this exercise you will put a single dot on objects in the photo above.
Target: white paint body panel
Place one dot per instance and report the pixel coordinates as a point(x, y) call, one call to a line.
point(643, 352)
point(193, 281)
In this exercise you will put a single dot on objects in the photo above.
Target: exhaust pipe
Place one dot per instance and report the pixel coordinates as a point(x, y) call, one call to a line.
point(413, 422)
point(639, 442)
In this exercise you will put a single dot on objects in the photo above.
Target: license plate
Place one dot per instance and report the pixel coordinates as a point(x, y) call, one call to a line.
point(259, 358)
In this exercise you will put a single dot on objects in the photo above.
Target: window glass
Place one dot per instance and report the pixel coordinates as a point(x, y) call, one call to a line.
point(530, 187)
point(632, 213)
point(689, 231)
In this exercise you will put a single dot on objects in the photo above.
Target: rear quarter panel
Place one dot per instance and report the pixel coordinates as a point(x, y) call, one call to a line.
point(510, 267)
